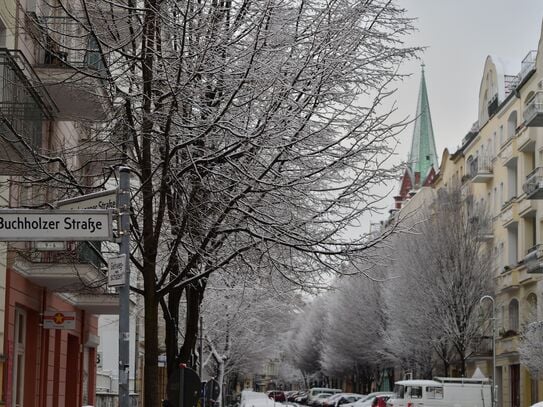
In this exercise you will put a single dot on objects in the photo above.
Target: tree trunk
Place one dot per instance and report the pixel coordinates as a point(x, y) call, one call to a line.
point(194, 298)
point(151, 391)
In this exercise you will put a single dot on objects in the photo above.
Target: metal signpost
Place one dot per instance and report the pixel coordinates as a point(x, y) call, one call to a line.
point(85, 218)
point(124, 290)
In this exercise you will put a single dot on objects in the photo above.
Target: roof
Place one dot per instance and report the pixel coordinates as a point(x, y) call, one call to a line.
point(423, 155)
point(419, 383)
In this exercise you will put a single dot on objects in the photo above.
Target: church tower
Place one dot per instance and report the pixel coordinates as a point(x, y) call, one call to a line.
point(422, 162)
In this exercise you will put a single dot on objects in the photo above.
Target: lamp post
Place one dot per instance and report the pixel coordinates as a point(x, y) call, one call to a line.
point(488, 297)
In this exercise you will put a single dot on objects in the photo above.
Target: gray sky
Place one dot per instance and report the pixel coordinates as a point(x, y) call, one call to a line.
point(460, 34)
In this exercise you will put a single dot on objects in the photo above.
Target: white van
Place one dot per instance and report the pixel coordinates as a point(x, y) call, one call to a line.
point(442, 392)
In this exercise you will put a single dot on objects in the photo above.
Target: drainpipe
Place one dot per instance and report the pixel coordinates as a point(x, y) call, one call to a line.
point(81, 357)
point(43, 352)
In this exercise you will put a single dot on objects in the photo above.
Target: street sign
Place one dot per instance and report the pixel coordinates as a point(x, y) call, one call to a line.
point(98, 200)
point(116, 270)
point(55, 225)
point(183, 387)
point(58, 320)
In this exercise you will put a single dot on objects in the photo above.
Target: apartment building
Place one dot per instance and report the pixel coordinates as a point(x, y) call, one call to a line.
point(499, 165)
point(44, 97)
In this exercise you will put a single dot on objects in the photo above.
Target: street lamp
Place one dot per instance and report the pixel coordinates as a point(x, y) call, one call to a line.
point(488, 297)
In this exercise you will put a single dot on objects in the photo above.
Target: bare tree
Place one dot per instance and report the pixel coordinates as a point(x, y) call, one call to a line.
point(245, 322)
point(443, 269)
point(306, 341)
point(531, 347)
point(356, 322)
point(255, 131)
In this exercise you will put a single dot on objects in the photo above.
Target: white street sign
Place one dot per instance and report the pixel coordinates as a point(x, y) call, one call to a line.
point(58, 320)
point(55, 225)
point(116, 270)
point(98, 200)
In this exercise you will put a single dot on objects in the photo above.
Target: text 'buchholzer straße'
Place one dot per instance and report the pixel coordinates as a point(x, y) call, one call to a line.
point(68, 223)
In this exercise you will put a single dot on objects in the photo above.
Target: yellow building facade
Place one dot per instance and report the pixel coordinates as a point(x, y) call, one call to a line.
point(500, 166)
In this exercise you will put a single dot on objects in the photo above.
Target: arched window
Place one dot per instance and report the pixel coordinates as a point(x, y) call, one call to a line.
point(513, 315)
point(512, 125)
point(531, 308)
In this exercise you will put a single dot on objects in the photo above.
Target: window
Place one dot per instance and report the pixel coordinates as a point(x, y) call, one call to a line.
point(19, 357)
point(513, 315)
point(512, 125)
point(434, 392)
point(415, 392)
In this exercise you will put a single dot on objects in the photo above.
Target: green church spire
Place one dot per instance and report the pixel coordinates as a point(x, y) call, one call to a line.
point(423, 153)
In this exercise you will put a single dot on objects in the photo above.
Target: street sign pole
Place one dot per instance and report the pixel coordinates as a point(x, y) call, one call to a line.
point(124, 290)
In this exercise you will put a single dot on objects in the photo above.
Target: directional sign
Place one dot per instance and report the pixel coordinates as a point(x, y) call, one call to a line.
point(55, 225)
point(98, 200)
point(116, 270)
point(58, 320)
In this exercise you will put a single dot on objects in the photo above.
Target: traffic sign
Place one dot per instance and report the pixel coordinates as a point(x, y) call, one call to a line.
point(183, 387)
point(55, 225)
point(58, 320)
point(116, 270)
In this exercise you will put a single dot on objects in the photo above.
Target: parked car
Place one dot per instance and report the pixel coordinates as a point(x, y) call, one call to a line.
point(301, 398)
point(251, 398)
point(340, 399)
point(315, 391)
point(367, 400)
point(277, 395)
point(319, 399)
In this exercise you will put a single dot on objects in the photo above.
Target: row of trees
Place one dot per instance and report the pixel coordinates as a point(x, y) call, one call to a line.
point(255, 132)
point(419, 309)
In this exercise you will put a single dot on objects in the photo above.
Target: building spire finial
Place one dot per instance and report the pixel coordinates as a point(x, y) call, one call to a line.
point(423, 155)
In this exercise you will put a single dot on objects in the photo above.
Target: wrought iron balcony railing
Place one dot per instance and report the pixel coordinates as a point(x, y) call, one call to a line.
point(24, 105)
point(74, 253)
point(480, 169)
point(65, 43)
point(533, 187)
point(533, 111)
point(527, 65)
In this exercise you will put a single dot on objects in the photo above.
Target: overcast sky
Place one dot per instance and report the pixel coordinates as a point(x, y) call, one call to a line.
point(459, 35)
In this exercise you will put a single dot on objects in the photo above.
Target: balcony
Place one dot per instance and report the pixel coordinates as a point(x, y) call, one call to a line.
point(527, 66)
point(481, 169)
point(507, 345)
point(533, 111)
point(526, 139)
point(508, 279)
point(509, 215)
point(70, 65)
point(74, 267)
point(508, 152)
point(24, 108)
point(533, 187)
point(534, 260)
point(527, 208)
point(97, 303)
